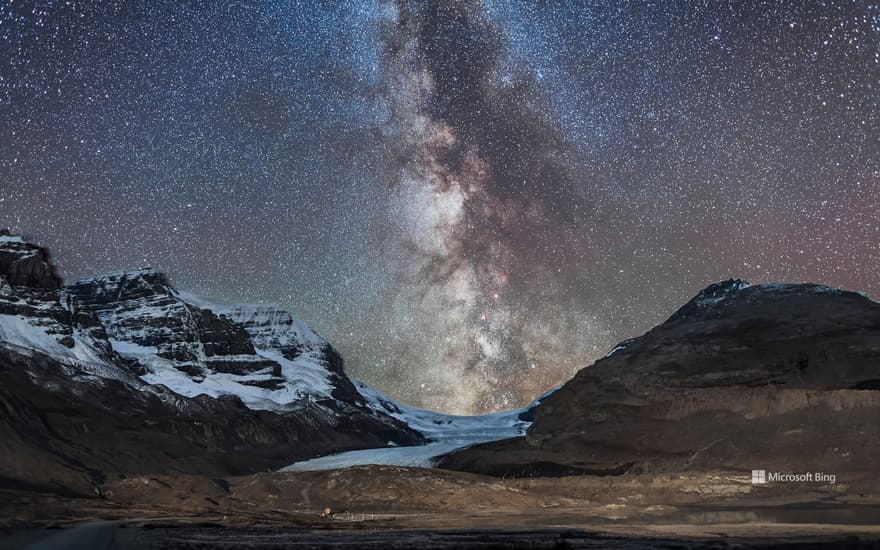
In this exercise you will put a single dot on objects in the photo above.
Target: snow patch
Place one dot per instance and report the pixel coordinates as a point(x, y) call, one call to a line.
point(303, 378)
point(720, 291)
point(623, 345)
point(18, 334)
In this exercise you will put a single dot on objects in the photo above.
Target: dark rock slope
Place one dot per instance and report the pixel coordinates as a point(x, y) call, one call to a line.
point(783, 377)
point(124, 374)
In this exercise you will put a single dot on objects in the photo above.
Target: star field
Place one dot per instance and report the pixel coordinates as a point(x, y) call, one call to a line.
point(471, 199)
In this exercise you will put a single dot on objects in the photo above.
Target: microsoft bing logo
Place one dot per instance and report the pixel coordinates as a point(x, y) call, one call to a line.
point(761, 477)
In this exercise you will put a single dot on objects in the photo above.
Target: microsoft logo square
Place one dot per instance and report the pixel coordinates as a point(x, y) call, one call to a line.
point(759, 477)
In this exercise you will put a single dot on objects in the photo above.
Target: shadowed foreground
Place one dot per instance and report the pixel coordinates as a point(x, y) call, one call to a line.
point(397, 507)
point(201, 536)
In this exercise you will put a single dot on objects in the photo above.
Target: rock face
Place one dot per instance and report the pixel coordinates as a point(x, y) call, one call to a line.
point(23, 264)
point(176, 342)
point(36, 314)
point(259, 353)
point(782, 377)
point(123, 373)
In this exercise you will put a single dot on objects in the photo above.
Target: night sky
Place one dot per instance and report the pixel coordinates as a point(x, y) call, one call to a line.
point(471, 200)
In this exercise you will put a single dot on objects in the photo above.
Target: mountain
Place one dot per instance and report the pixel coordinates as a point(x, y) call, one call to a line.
point(125, 374)
point(258, 353)
point(782, 377)
point(36, 314)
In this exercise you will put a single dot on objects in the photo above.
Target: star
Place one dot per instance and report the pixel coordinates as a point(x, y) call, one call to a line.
point(471, 199)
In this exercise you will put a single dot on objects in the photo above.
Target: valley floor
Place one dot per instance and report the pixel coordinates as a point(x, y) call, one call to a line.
point(396, 507)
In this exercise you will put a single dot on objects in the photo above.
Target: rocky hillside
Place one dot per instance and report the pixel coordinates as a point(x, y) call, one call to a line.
point(783, 377)
point(125, 374)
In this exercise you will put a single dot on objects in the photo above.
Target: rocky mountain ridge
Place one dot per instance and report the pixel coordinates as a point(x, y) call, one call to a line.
point(777, 376)
point(193, 346)
point(123, 373)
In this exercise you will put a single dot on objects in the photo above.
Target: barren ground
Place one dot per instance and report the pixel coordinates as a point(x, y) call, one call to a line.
point(396, 507)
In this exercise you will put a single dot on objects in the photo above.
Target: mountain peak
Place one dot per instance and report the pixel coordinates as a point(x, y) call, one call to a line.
point(717, 297)
point(131, 284)
point(709, 297)
point(8, 236)
point(721, 290)
point(26, 264)
point(149, 274)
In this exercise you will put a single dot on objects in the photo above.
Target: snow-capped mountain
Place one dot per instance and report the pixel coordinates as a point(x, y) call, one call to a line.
point(123, 373)
point(230, 379)
point(193, 346)
point(266, 357)
point(37, 317)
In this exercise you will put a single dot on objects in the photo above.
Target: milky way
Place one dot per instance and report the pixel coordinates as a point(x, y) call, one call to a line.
point(472, 200)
